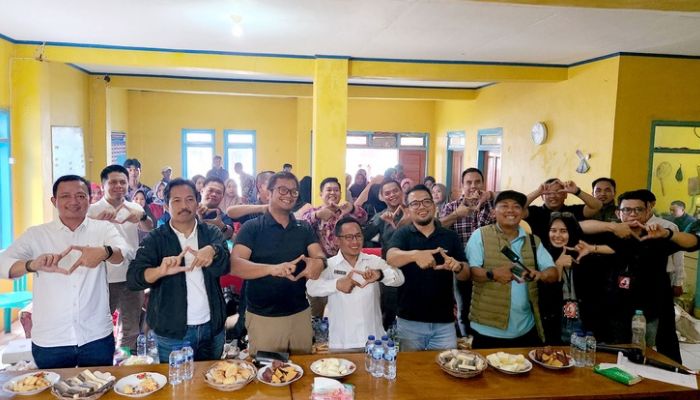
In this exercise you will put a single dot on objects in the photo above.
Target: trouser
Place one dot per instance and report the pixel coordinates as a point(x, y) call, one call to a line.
point(318, 305)
point(129, 304)
point(290, 334)
point(530, 339)
point(419, 336)
point(389, 298)
point(99, 352)
point(463, 298)
point(207, 345)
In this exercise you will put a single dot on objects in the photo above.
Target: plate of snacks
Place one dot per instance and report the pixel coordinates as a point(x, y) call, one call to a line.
point(33, 383)
point(333, 367)
point(87, 385)
point(509, 363)
point(140, 385)
point(137, 360)
point(280, 374)
point(551, 358)
point(230, 375)
point(461, 363)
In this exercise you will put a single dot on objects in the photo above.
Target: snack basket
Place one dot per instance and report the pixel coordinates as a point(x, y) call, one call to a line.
point(233, 386)
point(104, 389)
point(460, 373)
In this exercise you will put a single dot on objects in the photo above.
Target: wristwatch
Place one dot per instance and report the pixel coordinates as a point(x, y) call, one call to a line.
point(489, 275)
point(109, 251)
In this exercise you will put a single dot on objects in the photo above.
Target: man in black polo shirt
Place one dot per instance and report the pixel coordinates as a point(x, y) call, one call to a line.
point(428, 256)
point(267, 254)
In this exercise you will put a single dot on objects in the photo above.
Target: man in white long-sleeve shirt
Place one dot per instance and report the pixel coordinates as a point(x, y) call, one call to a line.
point(72, 325)
point(354, 310)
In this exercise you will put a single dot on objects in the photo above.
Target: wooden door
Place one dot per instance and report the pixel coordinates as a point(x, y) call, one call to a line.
point(456, 158)
point(413, 162)
point(492, 170)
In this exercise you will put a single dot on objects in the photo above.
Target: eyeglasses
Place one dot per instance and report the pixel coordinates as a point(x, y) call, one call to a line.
point(630, 210)
point(417, 203)
point(283, 190)
point(357, 236)
point(558, 214)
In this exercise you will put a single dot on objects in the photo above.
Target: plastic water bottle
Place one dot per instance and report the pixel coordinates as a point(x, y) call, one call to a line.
point(377, 368)
point(175, 367)
point(369, 348)
point(188, 361)
point(573, 349)
point(639, 330)
point(152, 346)
point(324, 325)
point(141, 345)
point(581, 349)
point(390, 361)
point(590, 349)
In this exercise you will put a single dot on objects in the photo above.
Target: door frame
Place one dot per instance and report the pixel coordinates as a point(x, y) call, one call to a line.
point(481, 134)
point(448, 156)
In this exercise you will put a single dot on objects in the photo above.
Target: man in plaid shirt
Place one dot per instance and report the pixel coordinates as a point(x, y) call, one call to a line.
point(472, 210)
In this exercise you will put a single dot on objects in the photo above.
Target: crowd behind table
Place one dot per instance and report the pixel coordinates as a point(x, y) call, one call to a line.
point(441, 273)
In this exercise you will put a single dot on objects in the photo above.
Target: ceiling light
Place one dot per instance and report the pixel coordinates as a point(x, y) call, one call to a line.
point(236, 26)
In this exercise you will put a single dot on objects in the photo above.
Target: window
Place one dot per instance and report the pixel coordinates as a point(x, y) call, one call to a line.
point(5, 181)
point(455, 140)
point(412, 141)
point(377, 151)
point(197, 151)
point(240, 147)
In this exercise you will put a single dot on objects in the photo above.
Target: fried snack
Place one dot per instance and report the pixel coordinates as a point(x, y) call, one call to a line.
point(279, 372)
point(146, 385)
point(551, 357)
point(229, 373)
point(31, 383)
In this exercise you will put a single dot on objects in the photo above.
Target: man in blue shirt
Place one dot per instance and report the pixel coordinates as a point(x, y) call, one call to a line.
point(504, 307)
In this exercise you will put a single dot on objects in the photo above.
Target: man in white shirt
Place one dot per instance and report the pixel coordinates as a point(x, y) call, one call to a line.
point(181, 262)
point(354, 310)
point(125, 216)
point(72, 325)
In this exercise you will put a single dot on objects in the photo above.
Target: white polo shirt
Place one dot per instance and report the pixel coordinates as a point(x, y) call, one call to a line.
point(353, 316)
point(197, 299)
point(73, 309)
point(128, 230)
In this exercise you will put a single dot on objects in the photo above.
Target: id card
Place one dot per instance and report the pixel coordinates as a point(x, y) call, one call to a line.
point(571, 309)
point(624, 282)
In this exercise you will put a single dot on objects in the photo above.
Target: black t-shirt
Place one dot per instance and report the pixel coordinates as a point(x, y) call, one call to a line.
point(427, 294)
point(644, 263)
point(538, 218)
point(271, 243)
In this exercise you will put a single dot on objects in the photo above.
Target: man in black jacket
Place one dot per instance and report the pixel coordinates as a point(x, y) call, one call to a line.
point(181, 263)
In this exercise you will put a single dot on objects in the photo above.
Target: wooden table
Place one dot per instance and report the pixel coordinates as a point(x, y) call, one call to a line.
point(418, 378)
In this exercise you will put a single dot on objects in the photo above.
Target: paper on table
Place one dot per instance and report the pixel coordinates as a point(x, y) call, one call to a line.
point(674, 378)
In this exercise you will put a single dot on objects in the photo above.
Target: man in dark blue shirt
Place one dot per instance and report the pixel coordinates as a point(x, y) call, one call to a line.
point(268, 253)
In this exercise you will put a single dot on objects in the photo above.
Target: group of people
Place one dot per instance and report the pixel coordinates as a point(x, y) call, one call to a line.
point(587, 266)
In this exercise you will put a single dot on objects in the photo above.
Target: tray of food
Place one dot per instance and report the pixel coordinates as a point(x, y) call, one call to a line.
point(87, 385)
point(461, 363)
point(32, 383)
point(551, 358)
point(230, 375)
point(333, 367)
point(280, 374)
point(140, 385)
point(509, 363)
point(137, 360)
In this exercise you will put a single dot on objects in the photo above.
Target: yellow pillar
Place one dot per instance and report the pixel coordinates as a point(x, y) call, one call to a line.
point(330, 120)
point(96, 142)
point(302, 164)
point(31, 143)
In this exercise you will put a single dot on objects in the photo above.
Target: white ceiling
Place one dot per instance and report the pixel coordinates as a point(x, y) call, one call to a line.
point(456, 30)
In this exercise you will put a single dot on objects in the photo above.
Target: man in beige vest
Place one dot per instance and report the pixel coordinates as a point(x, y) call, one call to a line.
point(504, 310)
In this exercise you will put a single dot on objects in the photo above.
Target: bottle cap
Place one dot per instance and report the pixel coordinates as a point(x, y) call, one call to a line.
point(186, 343)
point(639, 312)
point(385, 337)
point(377, 342)
point(370, 337)
point(390, 344)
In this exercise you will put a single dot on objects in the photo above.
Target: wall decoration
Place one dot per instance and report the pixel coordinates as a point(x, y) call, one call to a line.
point(67, 150)
point(583, 165)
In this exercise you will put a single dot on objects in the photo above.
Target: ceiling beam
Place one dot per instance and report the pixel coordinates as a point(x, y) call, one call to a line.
point(658, 5)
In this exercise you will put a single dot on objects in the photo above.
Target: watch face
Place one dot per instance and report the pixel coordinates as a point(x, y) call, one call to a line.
point(539, 133)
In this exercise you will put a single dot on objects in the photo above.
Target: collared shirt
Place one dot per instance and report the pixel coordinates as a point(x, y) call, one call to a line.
point(326, 229)
point(353, 316)
point(73, 309)
point(473, 221)
point(607, 213)
point(130, 192)
point(271, 243)
point(197, 300)
point(521, 319)
point(674, 266)
point(427, 294)
point(378, 226)
point(683, 221)
point(128, 230)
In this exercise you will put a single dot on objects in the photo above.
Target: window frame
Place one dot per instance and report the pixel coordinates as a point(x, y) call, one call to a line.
point(186, 145)
point(253, 145)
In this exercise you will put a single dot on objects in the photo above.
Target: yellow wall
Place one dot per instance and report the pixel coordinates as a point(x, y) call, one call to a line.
point(119, 110)
point(650, 89)
point(5, 54)
point(579, 114)
point(156, 121)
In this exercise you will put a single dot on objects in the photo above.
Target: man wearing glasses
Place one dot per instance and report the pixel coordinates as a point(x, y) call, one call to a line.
point(429, 257)
point(276, 254)
point(640, 281)
point(505, 309)
point(353, 298)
